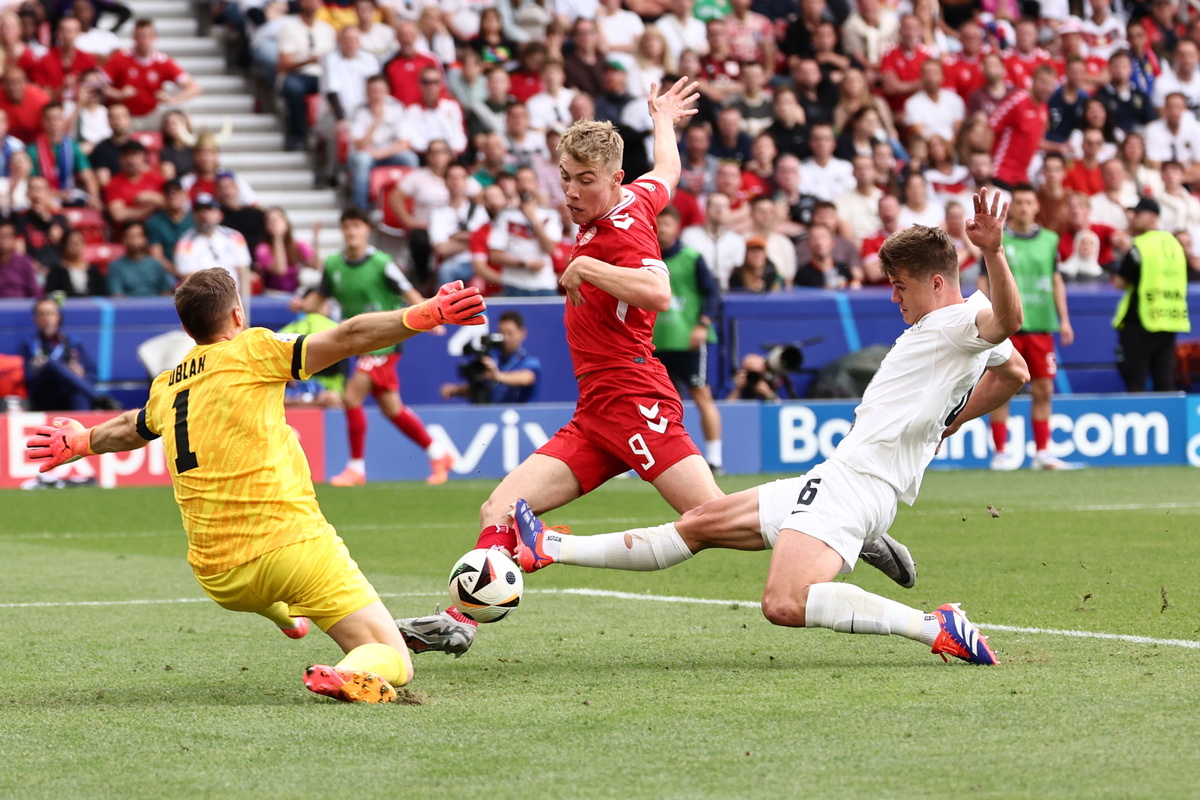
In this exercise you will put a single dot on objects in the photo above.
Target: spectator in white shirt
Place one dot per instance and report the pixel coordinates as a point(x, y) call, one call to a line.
point(859, 207)
point(1109, 207)
point(682, 30)
point(619, 28)
point(522, 241)
point(451, 226)
point(917, 209)
point(379, 131)
point(822, 175)
point(1183, 78)
point(303, 42)
point(764, 224)
point(552, 105)
point(344, 74)
point(1180, 208)
point(1175, 136)
point(723, 248)
point(934, 111)
point(210, 244)
point(524, 144)
point(437, 117)
point(378, 38)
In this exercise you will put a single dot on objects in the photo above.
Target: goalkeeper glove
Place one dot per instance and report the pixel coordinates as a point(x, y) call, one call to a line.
point(62, 441)
point(452, 304)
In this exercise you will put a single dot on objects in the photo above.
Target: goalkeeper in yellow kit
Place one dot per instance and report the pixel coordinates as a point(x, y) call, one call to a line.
point(257, 540)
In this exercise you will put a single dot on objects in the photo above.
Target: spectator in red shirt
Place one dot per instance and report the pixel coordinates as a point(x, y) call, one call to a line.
point(1079, 217)
point(995, 86)
point(964, 70)
point(137, 74)
point(1084, 174)
point(1020, 124)
point(134, 193)
point(901, 66)
point(404, 69)
point(527, 77)
point(61, 67)
point(23, 104)
point(1026, 56)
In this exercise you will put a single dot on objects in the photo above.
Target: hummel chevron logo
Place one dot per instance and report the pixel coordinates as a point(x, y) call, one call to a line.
point(658, 425)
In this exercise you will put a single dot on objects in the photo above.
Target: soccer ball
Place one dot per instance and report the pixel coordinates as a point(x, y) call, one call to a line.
point(486, 585)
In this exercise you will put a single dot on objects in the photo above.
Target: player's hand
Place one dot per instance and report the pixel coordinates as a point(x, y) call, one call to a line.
point(698, 337)
point(676, 103)
point(986, 230)
point(453, 305)
point(62, 441)
point(572, 279)
point(1066, 333)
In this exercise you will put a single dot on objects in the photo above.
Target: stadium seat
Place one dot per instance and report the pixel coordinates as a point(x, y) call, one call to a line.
point(382, 178)
point(103, 254)
point(88, 221)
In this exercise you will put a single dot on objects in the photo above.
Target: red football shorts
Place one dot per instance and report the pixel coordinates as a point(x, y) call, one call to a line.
point(382, 372)
point(624, 420)
point(1038, 351)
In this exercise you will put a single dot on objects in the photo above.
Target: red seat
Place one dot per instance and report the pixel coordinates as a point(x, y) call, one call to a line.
point(312, 104)
point(89, 222)
point(103, 254)
point(382, 178)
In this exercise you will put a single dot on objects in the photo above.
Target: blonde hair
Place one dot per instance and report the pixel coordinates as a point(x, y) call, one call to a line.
point(597, 144)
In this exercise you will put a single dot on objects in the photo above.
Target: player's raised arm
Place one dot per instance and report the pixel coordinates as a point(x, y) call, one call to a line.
point(452, 305)
point(65, 440)
point(986, 231)
point(666, 110)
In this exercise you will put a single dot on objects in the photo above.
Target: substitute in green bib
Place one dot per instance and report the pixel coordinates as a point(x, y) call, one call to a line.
point(683, 332)
point(1032, 253)
point(1154, 308)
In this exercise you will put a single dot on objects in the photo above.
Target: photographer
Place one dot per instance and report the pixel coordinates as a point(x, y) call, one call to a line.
point(757, 381)
point(511, 377)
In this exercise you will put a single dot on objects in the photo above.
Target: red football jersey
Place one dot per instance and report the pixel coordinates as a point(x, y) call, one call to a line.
point(1019, 124)
point(905, 66)
point(604, 333)
point(964, 75)
point(147, 76)
point(1020, 68)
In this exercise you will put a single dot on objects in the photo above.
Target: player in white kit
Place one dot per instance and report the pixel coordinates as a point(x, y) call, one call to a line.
point(953, 364)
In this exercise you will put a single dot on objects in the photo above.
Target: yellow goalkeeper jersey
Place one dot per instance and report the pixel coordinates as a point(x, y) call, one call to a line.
point(241, 480)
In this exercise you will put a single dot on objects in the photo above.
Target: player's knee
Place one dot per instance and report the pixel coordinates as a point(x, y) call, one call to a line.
point(785, 608)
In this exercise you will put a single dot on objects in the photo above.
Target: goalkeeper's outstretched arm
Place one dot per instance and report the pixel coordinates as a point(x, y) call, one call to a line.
point(65, 440)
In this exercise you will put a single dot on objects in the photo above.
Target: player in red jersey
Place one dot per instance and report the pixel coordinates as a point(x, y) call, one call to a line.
point(629, 415)
point(137, 75)
point(1020, 126)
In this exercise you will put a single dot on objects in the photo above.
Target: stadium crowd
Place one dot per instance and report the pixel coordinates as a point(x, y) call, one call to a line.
point(824, 126)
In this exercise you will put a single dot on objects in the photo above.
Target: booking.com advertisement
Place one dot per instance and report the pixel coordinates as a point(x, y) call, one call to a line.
point(489, 441)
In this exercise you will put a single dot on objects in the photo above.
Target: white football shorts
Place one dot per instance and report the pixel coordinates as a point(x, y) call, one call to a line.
point(832, 503)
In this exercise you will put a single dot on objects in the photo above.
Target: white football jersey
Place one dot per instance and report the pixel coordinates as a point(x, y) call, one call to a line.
point(921, 386)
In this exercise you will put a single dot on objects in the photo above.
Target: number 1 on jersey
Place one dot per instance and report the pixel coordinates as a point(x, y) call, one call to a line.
point(185, 459)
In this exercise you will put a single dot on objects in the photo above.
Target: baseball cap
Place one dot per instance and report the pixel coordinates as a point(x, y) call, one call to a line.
point(205, 200)
point(1146, 204)
point(615, 65)
point(756, 241)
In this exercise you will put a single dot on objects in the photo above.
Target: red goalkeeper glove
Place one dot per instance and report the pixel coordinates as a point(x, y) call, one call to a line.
point(452, 304)
point(62, 441)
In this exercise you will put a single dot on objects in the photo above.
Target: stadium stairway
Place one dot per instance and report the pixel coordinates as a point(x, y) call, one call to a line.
point(255, 150)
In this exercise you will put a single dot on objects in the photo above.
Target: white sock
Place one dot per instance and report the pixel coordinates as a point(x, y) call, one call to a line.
point(435, 450)
point(358, 465)
point(712, 448)
point(846, 608)
point(640, 549)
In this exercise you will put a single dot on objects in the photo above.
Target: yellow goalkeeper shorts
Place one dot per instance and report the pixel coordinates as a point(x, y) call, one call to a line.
point(317, 578)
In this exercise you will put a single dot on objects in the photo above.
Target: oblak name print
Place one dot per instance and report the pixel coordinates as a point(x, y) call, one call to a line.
point(189, 369)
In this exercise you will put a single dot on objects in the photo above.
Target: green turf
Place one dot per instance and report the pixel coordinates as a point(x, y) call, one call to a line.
point(603, 697)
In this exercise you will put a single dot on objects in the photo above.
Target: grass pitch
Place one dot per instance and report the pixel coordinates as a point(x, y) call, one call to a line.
point(120, 680)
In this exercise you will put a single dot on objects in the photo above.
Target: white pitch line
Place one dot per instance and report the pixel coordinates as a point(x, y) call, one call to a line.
point(656, 598)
